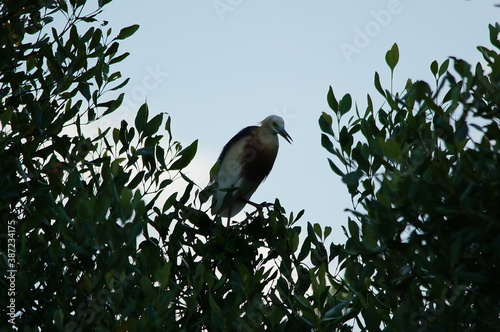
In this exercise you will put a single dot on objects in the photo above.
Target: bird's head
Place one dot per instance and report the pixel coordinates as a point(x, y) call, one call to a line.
point(276, 124)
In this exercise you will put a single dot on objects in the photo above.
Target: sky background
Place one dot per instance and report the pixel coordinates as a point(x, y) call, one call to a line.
point(219, 66)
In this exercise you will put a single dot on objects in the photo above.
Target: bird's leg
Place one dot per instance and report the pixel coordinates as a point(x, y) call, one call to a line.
point(266, 205)
point(257, 206)
point(229, 211)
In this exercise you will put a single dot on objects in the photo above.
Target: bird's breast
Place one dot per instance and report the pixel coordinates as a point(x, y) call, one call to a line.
point(257, 157)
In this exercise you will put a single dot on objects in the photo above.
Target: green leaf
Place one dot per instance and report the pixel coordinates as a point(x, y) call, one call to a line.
point(305, 250)
point(169, 202)
point(421, 90)
point(392, 57)
point(325, 123)
point(141, 118)
point(111, 51)
point(328, 231)
point(311, 235)
point(153, 125)
point(84, 89)
point(214, 170)
point(165, 183)
point(119, 58)
point(383, 118)
point(136, 180)
point(160, 156)
point(147, 288)
point(6, 116)
point(86, 37)
point(353, 228)
point(293, 242)
point(494, 33)
point(96, 39)
point(162, 275)
point(345, 104)
point(334, 168)
point(127, 32)
point(345, 140)
point(335, 313)
point(378, 86)
point(392, 150)
point(116, 135)
point(305, 307)
point(185, 156)
point(299, 215)
point(147, 151)
point(318, 230)
point(112, 105)
point(121, 85)
point(102, 3)
point(327, 143)
point(352, 178)
point(332, 102)
point(369, 106)
point(434, 67)
point(114, 76)
point(444, 67)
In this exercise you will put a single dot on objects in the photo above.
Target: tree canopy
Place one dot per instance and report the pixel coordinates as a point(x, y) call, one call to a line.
point(94, 238)
point(422, 170)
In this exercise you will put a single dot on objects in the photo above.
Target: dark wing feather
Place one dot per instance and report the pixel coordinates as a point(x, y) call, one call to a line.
point(243, 133)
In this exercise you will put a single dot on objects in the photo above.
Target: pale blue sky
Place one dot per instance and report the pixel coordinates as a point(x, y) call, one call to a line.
point(218, 66)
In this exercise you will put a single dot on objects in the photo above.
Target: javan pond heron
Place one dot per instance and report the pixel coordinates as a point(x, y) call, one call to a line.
point(244, 163)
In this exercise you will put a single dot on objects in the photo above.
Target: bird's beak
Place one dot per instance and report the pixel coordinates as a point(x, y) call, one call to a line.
point(285, 135)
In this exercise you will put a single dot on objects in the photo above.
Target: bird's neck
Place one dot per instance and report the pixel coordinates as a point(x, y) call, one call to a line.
point(267, 135)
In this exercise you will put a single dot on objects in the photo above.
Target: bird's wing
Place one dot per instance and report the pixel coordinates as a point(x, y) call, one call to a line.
point(230, 168)
point(244, 133)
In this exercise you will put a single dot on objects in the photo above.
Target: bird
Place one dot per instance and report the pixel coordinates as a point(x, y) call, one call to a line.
point(245, 161)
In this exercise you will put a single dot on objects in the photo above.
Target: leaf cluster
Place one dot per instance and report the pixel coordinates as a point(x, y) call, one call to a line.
point(101, 240)
point(422, 171)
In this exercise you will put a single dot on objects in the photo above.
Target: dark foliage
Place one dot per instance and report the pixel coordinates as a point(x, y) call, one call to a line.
point(92, 232)
point(424, 244)
point(97, 239)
